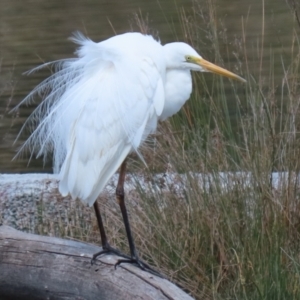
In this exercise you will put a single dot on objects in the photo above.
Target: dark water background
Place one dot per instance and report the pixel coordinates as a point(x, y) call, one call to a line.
point(36, 31)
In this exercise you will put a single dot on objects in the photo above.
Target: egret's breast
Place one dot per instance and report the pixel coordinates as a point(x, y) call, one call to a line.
point(178, 88)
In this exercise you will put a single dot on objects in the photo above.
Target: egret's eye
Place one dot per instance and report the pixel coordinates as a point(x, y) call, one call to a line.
point(188, 58)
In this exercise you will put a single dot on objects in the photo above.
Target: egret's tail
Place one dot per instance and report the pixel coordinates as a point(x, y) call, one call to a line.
point(86, 179)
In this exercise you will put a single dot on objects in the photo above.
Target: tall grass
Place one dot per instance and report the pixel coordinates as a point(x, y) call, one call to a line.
point(224, 220)
point(234, 231)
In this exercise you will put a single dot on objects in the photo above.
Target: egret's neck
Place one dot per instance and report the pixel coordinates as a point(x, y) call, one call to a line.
point(178, 88)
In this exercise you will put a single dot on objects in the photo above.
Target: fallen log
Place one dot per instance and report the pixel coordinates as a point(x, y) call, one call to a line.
point(40, 267)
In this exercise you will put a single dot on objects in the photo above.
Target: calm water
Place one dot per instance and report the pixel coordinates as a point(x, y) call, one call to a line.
point(36, 31)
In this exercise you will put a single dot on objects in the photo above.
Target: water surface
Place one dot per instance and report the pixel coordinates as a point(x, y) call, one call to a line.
point(36, 31)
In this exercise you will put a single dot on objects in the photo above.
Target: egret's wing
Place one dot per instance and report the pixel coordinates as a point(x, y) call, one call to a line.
point(107, 104)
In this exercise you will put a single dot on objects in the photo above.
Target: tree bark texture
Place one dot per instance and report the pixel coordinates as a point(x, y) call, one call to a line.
point(39, 267)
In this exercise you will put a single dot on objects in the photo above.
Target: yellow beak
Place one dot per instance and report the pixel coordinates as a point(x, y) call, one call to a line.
point(210, 67)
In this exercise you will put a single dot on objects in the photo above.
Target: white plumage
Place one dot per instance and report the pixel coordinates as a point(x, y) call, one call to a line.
point(102, 105)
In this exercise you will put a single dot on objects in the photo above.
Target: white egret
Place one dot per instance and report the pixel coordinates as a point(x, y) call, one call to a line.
point(102, 105)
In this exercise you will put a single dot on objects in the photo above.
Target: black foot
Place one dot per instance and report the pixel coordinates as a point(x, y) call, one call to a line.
point(108, 249)
point(142, 265)
point(127, 259)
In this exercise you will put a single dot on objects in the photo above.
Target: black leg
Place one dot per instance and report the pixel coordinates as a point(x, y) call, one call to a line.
point(120, 194)
point(106, 248)
point(100, 224)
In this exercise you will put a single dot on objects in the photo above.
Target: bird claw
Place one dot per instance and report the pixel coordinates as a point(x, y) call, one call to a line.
point(126, 259)
point(108, 249)
point(142, 265)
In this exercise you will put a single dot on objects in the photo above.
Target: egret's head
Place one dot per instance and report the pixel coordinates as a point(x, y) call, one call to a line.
point(182, 55)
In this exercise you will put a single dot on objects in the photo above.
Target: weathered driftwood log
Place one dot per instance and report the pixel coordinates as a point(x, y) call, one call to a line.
point(40, 267)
